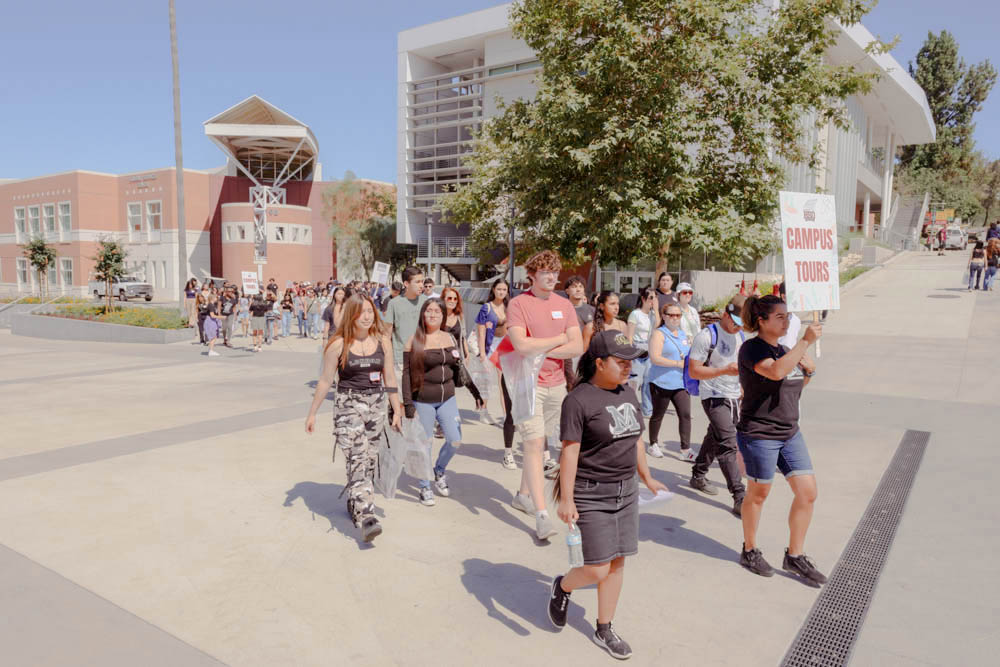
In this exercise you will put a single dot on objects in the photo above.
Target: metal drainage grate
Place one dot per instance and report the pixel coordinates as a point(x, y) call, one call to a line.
point(827, 636)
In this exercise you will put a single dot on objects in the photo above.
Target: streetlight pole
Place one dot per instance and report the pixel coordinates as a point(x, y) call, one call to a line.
point(182, 265)
point(510, 256)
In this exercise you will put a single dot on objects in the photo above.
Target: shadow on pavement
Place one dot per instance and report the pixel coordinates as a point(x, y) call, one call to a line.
point(670, 532)
point(325, 500)
point(516, 596)
point(481, 494)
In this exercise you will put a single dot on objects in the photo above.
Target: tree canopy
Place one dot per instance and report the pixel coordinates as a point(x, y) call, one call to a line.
point(357, 210)
point(41, 256)
point(109, 263)
point(657, 121)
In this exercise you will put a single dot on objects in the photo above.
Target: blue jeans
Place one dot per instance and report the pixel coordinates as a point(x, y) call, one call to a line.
point(286, 322)
point(762, 456)
point(314, 327)
point(640, 376)
point(991, 274)
point(975, 271)
point(300, 319)
point(445, 414)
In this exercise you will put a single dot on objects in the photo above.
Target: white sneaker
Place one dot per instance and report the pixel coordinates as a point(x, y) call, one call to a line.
point(441, 484)
point(524, 503)
point(543, 526)
point(654, 450)
point(213, 353)
point(484, 417)
point(426, 497)
point(508, 460)
point(688, 455)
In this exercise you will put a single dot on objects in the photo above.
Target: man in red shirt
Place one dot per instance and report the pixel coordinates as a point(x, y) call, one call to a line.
point(541, 322)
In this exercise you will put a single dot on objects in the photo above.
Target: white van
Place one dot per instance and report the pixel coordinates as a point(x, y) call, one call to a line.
point(955, 239)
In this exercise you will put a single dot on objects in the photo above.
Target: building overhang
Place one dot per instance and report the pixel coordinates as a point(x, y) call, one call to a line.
point(896, 99)
point(267, 144)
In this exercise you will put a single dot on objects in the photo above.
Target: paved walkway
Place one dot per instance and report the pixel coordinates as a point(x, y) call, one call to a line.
point(160, 507)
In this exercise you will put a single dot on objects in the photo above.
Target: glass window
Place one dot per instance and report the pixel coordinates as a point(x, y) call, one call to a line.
point(607, 280)
point(34, 221)
point(295, 233)
point(279, 233)
point(66, 265)
point(502, 70)
point(532, 64)
point(625, 283)
point(243, 233)
point(49, 216)
point(52, 275)
point(134, 216)
point(305, 234)
point(22, 271)
point(65, 218)
point(19, 221)
point(153, 214)
point(229, 232)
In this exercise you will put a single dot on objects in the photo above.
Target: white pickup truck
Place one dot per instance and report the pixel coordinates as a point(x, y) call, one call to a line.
point(125, 288)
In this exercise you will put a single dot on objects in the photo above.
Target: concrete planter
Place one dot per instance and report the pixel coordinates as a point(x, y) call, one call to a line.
point(62, 328)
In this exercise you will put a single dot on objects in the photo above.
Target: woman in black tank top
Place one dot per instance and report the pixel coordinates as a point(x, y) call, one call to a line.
point(976, 264)
point(358, 353)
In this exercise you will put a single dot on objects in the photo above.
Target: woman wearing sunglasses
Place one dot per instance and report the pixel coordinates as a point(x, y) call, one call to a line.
point(668, 346)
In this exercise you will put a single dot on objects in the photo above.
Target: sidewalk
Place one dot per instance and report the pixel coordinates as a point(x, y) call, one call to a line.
point(177, 499)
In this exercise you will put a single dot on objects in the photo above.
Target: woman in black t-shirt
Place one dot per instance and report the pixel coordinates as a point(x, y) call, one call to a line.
point(772, 378)
point(357, 354)
point(597, 488)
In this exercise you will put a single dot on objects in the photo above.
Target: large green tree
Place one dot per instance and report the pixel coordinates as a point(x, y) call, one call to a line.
point(657, 121)
point(955, 92)
point(378, 235)
point(41, 256)
point(109, 263)
point(352, 204)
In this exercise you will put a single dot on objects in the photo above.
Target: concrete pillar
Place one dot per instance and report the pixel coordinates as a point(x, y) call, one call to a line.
point(430, 247)
point(866, 219)
point(474, 273)
point(437, 274)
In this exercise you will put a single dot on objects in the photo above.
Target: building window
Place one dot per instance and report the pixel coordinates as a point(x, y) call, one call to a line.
point(153, 214)
point(66, 264)
point(52, 275)
point(279, 233)
point(507, 69)
point(243, 232)
point(163, 273)
point(65, 217)
point(295, 234)
point(305, 234)
point(531, 64)
point(22, 272)
point(229, 232)
point(34, 221)
point(19, 228)
point(134, 213)
point(49, 216)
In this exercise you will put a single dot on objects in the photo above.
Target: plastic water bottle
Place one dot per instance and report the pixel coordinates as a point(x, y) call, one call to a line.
point(574, 540)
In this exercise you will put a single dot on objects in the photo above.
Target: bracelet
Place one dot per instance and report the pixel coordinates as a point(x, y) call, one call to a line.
point(808, 374)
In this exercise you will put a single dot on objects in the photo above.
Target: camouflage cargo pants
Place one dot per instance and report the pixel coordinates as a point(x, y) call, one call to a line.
point(358, 420)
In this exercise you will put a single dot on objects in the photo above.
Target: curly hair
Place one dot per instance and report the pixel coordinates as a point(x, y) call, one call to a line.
point(546, 260)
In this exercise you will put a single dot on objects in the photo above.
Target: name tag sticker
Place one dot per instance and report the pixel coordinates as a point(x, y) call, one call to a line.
point(454, 353)
point(557, 314)
point(375, 376)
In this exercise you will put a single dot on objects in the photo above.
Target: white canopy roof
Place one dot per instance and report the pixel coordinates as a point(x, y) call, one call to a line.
point(267, 144)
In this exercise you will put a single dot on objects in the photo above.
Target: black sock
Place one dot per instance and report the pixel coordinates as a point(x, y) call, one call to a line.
point(603, 627)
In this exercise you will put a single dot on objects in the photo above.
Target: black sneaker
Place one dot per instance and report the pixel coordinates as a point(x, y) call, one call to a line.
point(701, 484)
point(558, 604)
point(370, 529)
point(753, 560)
point(612, 643)
point(804, 567)
point(738, 507)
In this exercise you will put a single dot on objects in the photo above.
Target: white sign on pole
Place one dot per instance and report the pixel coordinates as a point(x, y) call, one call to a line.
point(250, 284)
point(380, 273)
point(809, 244)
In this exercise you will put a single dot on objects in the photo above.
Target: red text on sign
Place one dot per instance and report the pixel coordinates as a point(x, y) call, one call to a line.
point(812, 272)
point(808, 238)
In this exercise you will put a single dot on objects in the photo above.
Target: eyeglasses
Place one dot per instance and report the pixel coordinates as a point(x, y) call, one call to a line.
point(673, 315)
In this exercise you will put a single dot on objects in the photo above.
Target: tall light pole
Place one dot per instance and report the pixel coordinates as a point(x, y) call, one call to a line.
point(182, 264)
point(510, 257)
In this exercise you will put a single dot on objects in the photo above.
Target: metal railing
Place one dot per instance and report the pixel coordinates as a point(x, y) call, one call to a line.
point(445, 247)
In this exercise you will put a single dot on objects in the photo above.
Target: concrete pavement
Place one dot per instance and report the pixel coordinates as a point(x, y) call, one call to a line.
point(175, 503)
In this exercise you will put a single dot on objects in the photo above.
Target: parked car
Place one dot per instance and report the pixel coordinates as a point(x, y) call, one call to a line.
point(956, 239)
point(124, 288)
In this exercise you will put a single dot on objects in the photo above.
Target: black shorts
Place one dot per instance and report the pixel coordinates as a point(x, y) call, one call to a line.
point(609, 518)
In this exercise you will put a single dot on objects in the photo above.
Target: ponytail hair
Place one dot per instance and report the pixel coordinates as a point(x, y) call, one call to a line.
point(757, 308)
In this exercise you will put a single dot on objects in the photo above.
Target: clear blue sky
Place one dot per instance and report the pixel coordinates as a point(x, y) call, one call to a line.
point(87, 85)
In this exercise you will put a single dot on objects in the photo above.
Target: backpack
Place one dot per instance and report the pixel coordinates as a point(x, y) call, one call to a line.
point(693, 386)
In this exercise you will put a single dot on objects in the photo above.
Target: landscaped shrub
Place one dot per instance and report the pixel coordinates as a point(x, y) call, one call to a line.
point(151, 318)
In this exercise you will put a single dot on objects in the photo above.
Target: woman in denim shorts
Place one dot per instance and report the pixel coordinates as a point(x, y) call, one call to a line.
point(597, 487)
point(772, 377)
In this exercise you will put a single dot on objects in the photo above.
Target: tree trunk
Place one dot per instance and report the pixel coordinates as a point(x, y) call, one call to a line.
point(662, 261)
point(107, 294)
point(592, 277)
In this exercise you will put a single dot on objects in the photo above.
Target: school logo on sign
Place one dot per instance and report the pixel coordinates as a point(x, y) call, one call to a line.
point(624, 419)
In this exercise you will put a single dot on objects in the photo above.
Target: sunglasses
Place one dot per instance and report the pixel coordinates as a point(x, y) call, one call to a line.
point(673, 315)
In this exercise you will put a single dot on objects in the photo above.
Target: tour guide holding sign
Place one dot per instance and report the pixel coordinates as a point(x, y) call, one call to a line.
point(541, 322)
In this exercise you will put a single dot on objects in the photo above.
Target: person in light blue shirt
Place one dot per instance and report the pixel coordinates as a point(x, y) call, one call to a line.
point(668, 346)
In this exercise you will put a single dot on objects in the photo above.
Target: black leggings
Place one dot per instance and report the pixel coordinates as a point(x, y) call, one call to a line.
point(682, 403)
point(508, 422)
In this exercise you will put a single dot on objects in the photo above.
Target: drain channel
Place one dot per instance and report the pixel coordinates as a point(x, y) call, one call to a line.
point(827, 636)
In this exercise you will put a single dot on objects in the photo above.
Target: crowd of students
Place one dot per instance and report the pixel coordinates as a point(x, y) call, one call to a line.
point(593, 379)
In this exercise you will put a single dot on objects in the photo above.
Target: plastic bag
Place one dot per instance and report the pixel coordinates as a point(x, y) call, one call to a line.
point(965, 277)
point(521, 375)
point(484, 377)
point(390, 464)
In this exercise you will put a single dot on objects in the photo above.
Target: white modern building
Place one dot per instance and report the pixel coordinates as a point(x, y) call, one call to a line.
point(450, 73)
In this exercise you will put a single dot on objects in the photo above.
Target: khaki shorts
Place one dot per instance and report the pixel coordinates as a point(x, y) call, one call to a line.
point(548, 408)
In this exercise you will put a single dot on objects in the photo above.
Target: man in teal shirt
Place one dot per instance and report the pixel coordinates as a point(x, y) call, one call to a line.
point(404, 313)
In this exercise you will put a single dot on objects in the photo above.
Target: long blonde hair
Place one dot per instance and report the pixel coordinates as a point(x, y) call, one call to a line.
point(352, 311)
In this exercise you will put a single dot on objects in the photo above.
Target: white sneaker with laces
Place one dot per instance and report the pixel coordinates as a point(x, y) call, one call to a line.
point(426, 497)
point(543, 526)
point(441, 484)
point(508, 460)
point(213, 353)
point(688, 455)
point(524, 503)
point(654, 450)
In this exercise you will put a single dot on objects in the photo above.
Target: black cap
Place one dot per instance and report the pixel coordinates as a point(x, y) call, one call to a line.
point(612, 343)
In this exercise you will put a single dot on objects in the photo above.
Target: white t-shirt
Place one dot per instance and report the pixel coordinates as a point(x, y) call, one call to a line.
point(791, 337)
point(727, 351)
point(643, 327)
point(690, 321)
